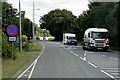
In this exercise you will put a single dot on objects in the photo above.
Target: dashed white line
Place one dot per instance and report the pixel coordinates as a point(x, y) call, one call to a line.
point(82, 58)
point(92, 64)
point(108, 74)
point(115, 58)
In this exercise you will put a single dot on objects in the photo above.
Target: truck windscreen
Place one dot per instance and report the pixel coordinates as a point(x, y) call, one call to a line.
point(100, 35)
point(71, 37)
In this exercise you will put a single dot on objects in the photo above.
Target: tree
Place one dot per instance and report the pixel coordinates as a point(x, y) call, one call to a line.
point(27, 27)
point(10, 16)
point(58, 22)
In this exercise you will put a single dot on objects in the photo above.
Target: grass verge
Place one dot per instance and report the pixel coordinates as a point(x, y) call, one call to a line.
point(35, 47)
point(114, 48)
point(10, 67)
point(80, 43)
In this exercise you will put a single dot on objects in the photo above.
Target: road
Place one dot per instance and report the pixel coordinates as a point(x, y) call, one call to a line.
point(67, 61)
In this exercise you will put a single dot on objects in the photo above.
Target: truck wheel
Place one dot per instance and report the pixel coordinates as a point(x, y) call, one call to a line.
point(83, 47)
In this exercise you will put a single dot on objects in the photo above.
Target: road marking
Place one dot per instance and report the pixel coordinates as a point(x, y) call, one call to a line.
point(92, 64)
point(76, 55)
point(25, 75)
point(33, 64)
point(115, 58)
point(108, 68)
point(111, 57)
point(82, 58)
point(108, 74)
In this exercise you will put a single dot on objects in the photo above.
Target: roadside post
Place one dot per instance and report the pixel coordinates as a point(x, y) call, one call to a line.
point(12, 31)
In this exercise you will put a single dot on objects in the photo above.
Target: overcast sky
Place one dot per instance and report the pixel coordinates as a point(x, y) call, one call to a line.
point(45, 6)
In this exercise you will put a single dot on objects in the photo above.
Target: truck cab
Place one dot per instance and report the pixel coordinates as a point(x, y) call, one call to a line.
point(69, 38)
point(95, 38)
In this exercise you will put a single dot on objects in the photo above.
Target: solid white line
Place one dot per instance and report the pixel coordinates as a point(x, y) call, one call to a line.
point(32, 69)
point(35, 63)
point(108, 74)
point(30, 65)
point(92, 64)
point(25, 71)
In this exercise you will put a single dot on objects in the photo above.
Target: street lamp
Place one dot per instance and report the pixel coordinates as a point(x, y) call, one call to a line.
point(20, 26)
point(34, 21)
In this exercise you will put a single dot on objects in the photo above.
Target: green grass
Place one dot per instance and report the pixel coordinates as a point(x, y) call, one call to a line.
point(58, 41)
point(10, 67)
point(35, 47)
point(51, 39)
point(114, 48)
point(80, 43)
point(0, 68)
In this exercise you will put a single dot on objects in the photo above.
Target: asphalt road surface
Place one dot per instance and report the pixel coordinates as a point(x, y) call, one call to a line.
point(69, 61)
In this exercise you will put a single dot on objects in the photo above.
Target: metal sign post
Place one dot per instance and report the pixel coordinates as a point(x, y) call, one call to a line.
point(12, 51)
point(12, 31)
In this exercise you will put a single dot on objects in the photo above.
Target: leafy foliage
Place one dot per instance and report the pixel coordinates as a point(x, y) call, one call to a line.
point(58, 22)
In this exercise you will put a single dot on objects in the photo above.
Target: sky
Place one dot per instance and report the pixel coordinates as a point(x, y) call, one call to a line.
point(45, 6)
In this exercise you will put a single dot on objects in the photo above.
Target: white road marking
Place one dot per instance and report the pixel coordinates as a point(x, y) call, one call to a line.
point(76, 55)
point(92, 64)
point(115, 58)
point(111, 57)
point(82, 58)
point(33, 64)
point(108, 68)
point(108, 74)
point(25, 75)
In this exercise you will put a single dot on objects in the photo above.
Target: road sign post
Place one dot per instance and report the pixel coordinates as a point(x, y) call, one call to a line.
point(12, 31)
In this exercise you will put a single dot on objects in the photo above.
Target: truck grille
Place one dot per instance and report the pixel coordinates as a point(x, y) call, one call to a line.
point(99, 45)
point(98, 41)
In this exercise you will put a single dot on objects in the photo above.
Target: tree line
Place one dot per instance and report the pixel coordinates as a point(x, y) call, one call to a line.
point(99, 15)
point(10, 15)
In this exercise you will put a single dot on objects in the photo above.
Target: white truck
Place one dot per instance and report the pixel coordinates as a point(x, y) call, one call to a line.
point(69, 38)
point(95, 38)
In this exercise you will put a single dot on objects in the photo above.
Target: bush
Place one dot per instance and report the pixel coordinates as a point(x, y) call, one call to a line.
point(25, 44)
point(6, 48)
point(51, 39)
point(24, 38)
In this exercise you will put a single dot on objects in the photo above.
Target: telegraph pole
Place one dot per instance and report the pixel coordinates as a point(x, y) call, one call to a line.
point(20, 27)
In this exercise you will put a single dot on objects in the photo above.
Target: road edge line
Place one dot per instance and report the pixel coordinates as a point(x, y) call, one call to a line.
point(30, 65)
point(35, 63)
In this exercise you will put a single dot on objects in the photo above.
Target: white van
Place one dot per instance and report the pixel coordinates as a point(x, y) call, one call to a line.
point(69, 38)
point(96, 38)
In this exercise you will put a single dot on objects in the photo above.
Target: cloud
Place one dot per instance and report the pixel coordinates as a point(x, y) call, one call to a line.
point(45, 6)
